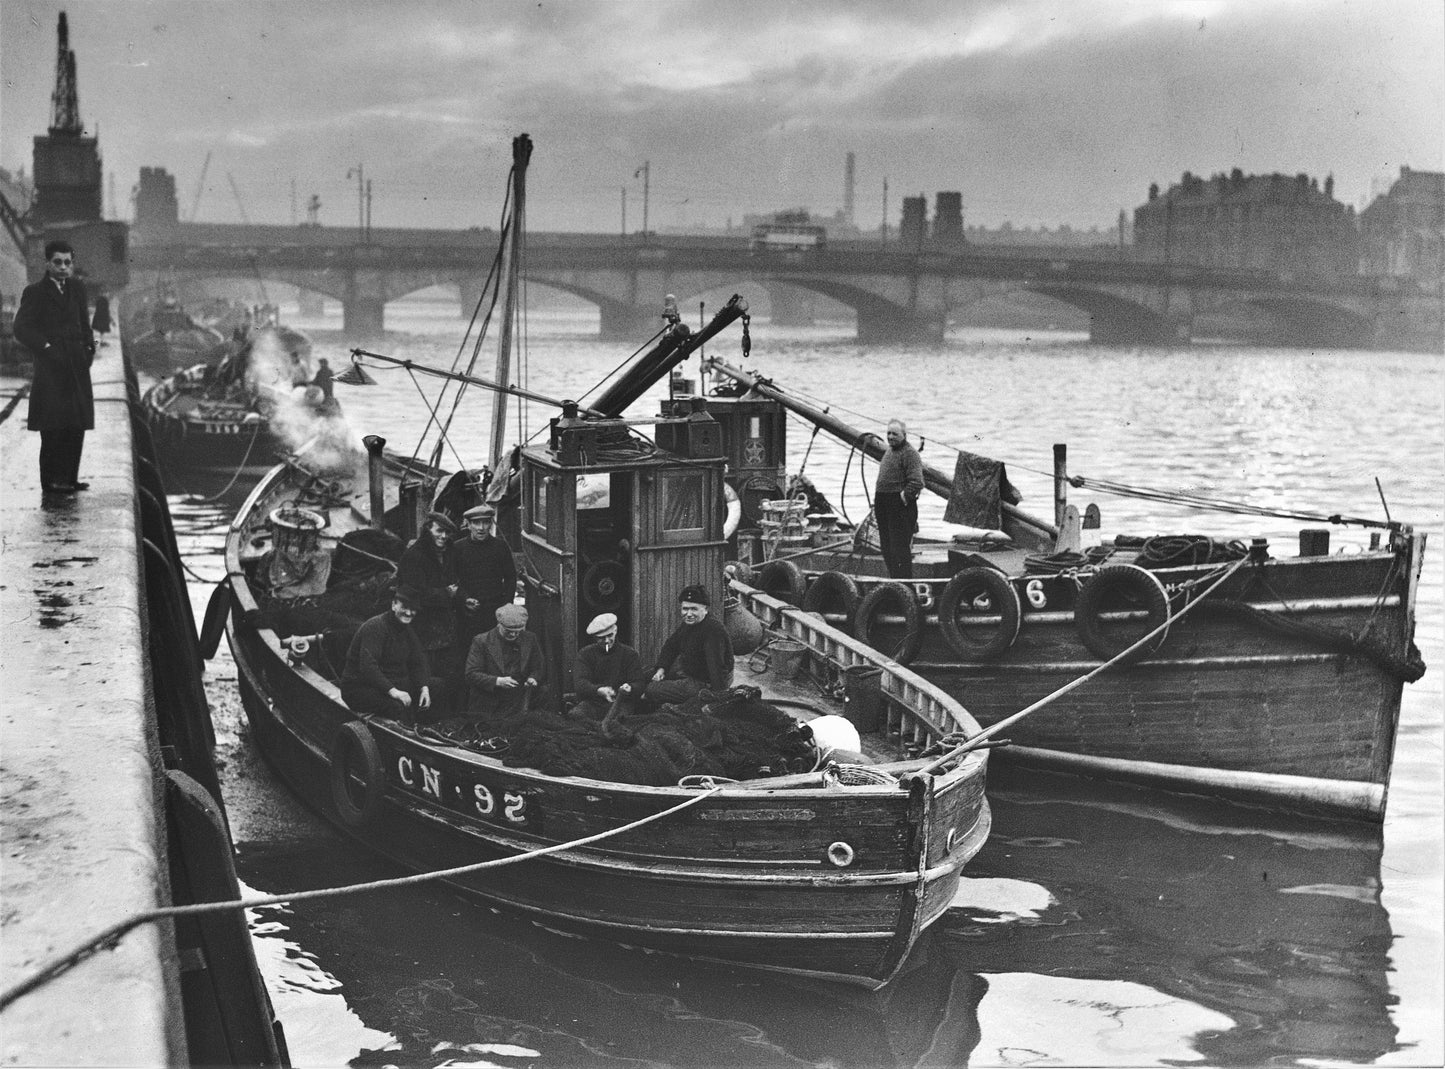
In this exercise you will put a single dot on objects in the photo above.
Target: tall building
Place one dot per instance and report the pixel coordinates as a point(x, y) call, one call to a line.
point(1402, 233)
point(914, 227)
point(155, 199)
point(948, 219)
point(1273, 222)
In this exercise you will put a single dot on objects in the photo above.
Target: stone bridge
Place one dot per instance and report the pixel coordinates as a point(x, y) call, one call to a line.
point(897, 295)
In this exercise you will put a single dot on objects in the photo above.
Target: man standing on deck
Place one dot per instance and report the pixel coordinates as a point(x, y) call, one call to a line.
point(53, 322)
point(424, 568)
point(386, 668)
point(606, 671)
point(697, 656)
point(895, 500)
point(485, 575)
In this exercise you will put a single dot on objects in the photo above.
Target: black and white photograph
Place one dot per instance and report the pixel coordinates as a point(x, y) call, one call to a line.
point(652, 533)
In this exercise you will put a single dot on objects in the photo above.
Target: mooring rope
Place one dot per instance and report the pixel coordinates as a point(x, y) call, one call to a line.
point(111, 935)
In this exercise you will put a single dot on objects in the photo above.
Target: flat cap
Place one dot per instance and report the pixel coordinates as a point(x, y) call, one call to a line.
point(605, 622)
point(696, 594)
point(512, 616)
point(442, 520)
point(408, 595)
point(477, 511)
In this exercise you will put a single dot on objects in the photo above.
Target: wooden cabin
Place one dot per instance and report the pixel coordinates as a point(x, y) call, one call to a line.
point(611, 524)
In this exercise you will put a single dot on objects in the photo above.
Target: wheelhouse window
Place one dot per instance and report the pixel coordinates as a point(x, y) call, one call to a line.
point(537, 504)
point(683, 497)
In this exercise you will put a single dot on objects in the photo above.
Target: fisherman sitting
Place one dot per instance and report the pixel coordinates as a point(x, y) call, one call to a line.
point(386, 671)
point(698, 655)
point(607, 671)
point(504, 667)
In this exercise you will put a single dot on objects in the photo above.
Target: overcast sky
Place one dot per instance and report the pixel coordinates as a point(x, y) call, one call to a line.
point(1037, 111)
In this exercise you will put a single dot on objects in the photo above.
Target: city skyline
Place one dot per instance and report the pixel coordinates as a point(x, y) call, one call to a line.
point(1041, 114)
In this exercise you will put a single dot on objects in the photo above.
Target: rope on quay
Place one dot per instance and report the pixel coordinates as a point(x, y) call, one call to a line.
point(110, 936)
point(981, 739)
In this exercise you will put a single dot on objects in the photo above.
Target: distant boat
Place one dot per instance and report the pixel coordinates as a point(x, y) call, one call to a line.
point(220, 419)
point(161, 337)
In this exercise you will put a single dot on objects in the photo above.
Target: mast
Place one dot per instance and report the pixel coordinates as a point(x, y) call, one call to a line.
point(1018, 523)
point(521, 155)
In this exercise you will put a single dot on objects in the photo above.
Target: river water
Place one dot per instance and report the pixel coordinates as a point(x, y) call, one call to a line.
point(1099, 926)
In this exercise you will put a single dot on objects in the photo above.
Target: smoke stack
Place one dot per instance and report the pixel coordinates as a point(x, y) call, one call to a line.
point(848, 189)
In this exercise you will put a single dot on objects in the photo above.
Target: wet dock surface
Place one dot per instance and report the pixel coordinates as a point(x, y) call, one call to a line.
point(83, 846)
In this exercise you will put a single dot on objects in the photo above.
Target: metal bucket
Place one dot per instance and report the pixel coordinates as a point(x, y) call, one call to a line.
point(788, 657)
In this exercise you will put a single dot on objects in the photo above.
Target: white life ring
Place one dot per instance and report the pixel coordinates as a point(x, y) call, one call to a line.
point(735, 511)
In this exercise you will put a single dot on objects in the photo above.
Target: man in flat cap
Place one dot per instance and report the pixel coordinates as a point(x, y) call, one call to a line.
point(386, 671)
point(424, 567)
point(698, 655)
point(504, 668)
point(485, 574)
point(606, 670)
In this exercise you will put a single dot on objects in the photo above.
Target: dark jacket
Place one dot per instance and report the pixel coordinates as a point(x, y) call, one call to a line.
point(428, 572)
point(597, 667)
point(701, 651)
point(386, 653)
point(56, 330)
point(489, 659)
point(484, 570)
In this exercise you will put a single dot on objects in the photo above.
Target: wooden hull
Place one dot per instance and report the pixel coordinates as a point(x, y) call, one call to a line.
point(747, 876)
point(1265, 693)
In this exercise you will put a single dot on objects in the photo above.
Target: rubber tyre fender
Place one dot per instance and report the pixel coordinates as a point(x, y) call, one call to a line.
point(837, 593)
point(1141, 589)
point(355, 751)
point(902, 600)
point(213, 624)
point(966, 586)
point(783, 580)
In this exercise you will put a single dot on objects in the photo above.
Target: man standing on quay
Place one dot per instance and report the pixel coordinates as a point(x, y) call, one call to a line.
point(53, 322)
point(895, 500)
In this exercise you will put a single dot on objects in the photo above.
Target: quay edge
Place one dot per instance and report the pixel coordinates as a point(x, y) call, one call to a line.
point(109, 801)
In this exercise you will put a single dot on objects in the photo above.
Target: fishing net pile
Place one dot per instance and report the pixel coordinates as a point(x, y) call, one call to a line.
point(734, 735)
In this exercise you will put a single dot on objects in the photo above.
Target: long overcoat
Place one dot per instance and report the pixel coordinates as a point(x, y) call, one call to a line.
point(55, 327)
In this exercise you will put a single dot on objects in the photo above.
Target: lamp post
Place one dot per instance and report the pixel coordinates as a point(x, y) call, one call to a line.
point(645, 173)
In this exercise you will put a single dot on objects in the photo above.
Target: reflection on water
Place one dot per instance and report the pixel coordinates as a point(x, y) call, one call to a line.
point(1097, 926)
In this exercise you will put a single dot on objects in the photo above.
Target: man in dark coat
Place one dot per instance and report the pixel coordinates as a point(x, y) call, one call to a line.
point(895, 500)
point(424, 568)
point(53, 322)
point(386, 671)
point(504, 668)
point(485, 573)
point(606, 670)
point(697, 656)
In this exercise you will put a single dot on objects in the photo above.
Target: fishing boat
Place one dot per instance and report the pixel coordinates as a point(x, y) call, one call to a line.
point(161, 337)
point(824, 860)
point(1242, 669)
point(231, 417)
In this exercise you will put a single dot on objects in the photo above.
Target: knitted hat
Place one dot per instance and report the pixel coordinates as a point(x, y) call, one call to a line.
point(695, 594)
